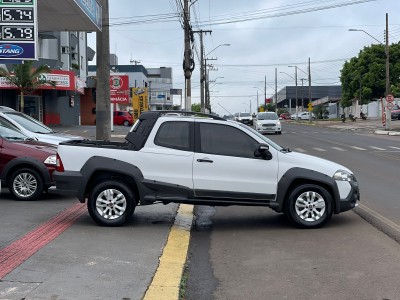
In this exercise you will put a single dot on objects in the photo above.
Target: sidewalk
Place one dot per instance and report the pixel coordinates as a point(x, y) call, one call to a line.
point(373, 125)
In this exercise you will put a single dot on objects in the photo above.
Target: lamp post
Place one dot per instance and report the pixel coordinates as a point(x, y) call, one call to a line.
point(204, 77)
point(387, 85)
point(290, 100)
point(295, 76)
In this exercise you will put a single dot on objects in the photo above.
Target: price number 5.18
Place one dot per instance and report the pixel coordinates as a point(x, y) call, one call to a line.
point(17, 33)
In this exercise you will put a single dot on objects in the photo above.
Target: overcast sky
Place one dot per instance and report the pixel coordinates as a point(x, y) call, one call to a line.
point(263, 35)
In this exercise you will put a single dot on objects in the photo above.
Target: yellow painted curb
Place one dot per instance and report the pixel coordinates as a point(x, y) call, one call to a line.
point(167, 279)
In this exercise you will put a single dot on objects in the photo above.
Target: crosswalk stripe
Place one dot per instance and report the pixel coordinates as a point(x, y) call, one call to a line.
point(377, 148)
point(319, 149)
point(358, 148)
point(394, 147)
point(338, 148)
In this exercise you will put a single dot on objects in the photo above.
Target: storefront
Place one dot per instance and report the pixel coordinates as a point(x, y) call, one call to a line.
point(52, 105)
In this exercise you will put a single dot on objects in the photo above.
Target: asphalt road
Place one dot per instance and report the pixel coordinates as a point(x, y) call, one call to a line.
point(254, 253)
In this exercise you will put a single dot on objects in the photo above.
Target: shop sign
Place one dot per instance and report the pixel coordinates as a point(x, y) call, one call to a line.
point(119, 89)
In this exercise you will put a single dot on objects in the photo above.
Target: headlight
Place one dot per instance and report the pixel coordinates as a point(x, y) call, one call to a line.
point(278, 123)
point(259, 123)
point(342, 175)
point(51, 160)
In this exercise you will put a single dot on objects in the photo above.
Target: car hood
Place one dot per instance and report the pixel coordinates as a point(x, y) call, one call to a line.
point(56, 137)
point(268, 121)
point(289, 159)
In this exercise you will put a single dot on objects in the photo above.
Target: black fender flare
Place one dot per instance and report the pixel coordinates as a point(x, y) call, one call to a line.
point(28, 161)
point(295, 176)
point(106, 164)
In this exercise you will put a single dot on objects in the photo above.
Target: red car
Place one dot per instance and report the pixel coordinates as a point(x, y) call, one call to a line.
point(26, 165)
point(285, 116)
point(122, 118)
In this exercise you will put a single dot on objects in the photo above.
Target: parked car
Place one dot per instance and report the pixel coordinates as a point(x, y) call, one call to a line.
point(293, 116)
point(122, 118)
point(245, 118)
point(395, 113)
point(267, 122)
point(305, 116)
point(33, 128)
point(26, 165)
point(285, 116)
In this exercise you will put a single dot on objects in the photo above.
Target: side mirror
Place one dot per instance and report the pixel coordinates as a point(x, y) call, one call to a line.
point(263, 152)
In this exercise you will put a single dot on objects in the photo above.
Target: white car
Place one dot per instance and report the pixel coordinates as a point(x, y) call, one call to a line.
point(267, 122)
point(245, 118)
point(305, 116)
point(33, 128)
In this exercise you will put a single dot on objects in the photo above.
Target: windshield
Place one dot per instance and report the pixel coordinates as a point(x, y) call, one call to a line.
point(244, 114)
point(267, 116)
point(10, 132)
point(266, 140)
point(29, 123)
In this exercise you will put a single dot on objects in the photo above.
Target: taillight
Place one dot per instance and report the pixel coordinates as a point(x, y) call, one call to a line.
point(59, 165)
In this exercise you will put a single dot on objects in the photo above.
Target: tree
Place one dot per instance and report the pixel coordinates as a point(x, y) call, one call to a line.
point(367, 72)
point(26, 78)
point(196, 107)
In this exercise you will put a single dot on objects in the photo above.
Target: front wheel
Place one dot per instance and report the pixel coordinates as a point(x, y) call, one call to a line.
point(26, 184)
point(309, 206)
point(111, 203)
point(126, 123)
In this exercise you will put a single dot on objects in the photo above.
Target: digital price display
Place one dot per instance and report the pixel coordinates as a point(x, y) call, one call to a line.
point(18, 29)
point(17, 33)
point(17, 15)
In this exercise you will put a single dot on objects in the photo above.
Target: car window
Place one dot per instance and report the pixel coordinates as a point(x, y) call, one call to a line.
point(28, 122)
point(10, 132)
point(226, 140)
point(173, 135)
point(267, 116)
point(245, 114)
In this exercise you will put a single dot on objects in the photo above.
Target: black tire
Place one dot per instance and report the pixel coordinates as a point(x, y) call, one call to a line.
point(26, 184)
point(280, 132)
point(305, 203)
point(117, 215)
point(126, 123)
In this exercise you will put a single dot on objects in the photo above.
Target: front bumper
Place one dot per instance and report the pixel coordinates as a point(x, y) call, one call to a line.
point(351, 200)
point(268, 129)
point(68, 184)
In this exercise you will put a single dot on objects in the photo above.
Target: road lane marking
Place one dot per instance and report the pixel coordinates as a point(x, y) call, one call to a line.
point(338, 148)
point(394, 147)
point(167, 279)
point(377, 148)
point(319, 149)
point(19, 251)
point(299, 150)
point(358, 148)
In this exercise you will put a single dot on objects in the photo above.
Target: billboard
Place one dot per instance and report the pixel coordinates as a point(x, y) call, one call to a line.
point(140, 102)
point(119, 89)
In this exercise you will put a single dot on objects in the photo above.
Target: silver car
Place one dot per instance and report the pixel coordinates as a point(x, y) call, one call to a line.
point(33, 128)
point(267, 122)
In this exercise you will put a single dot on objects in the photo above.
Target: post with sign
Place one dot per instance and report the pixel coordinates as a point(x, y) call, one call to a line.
point(18, 30)
point(310, 109)
point(389, 107)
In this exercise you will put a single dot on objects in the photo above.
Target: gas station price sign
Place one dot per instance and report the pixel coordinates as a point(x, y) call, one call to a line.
point(18, 29)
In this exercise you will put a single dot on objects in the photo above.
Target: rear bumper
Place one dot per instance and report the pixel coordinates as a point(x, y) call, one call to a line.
point(68, 183)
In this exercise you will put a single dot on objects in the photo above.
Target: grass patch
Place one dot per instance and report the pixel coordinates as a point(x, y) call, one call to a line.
point(182, 287)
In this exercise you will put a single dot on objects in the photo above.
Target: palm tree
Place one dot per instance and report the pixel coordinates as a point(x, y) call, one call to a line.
point(26, 78)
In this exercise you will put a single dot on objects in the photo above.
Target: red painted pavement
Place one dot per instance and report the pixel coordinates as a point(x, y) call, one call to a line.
point(17, 252)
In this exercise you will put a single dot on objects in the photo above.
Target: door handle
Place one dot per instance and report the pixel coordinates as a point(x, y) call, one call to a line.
point(205, 160)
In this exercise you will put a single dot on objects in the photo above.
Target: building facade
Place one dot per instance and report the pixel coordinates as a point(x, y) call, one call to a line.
point(160, 85)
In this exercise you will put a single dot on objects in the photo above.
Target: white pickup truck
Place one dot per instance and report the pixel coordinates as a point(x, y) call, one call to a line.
point(200, 159)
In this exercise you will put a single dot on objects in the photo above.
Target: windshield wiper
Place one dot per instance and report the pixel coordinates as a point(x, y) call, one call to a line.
point(30, 139)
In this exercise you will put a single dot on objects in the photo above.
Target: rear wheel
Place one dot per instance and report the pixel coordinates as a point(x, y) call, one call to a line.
point(126, 123)
point(309, 206)
point(111, 203)
point(26, 184)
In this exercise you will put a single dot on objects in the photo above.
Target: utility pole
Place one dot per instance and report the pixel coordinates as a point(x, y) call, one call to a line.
point(188, 61)
point(276, 90)
point(265, 89)
point(103, 115)
point(207, 84)
point(302, 93)
point(387, 90)
point(309, 86)
point(202, 69)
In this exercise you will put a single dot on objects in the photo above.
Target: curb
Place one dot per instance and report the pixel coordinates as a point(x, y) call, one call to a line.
point(167, 278)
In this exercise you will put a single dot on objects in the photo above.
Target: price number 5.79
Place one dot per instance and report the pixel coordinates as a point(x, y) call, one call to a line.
point(17, 33)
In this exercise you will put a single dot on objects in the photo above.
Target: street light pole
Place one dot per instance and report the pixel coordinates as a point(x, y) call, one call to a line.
point(297, 104)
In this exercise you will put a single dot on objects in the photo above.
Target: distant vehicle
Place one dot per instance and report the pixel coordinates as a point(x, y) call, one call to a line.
point(267, 122)
point(122, 118)
point(285, 116)
point(26, 165)
point(33, 128)
point(245, 118)
point(293, 117)
point(395, 113)
point(305, 116)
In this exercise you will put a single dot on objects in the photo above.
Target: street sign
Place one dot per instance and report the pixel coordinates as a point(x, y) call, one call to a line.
point(310, 106)
point(18, 30)
point(389, 105)
point(389, 98)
